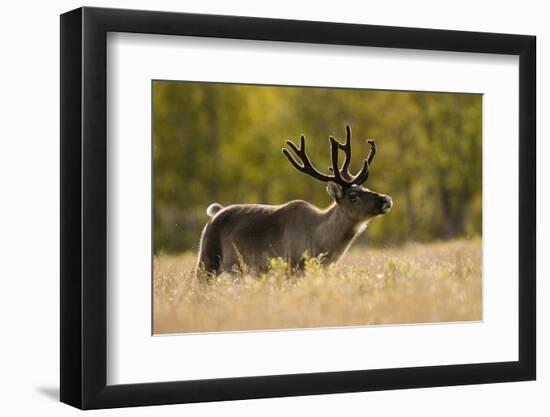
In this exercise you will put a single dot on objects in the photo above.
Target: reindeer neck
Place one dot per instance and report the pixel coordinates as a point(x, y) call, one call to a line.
point(335, 232)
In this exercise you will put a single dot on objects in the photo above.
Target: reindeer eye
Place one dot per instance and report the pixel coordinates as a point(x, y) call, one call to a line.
point(354, 197)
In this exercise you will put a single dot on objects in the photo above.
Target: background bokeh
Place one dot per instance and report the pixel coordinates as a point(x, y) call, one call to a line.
point(215, 142)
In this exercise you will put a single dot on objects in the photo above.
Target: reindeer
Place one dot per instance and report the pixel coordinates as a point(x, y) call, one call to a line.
point(255, 233)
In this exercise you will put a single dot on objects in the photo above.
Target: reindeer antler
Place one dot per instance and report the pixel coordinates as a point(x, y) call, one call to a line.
point(346, 147)
point(341, 176)
point(306, 167)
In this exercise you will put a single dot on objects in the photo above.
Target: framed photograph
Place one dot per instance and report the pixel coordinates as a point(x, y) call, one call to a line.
point(260, 208)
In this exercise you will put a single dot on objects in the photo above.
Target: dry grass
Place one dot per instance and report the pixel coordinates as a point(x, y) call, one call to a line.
point(417, 283)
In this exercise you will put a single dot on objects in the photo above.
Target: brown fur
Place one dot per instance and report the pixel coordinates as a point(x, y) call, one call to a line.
point(252, 234)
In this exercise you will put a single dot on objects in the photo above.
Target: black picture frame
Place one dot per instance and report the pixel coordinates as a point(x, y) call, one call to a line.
point(84, 207)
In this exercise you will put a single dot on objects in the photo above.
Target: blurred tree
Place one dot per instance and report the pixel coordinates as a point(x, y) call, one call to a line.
point(221, 142)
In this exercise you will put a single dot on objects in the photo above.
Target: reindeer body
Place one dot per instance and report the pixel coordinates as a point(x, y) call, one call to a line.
point(253, 234)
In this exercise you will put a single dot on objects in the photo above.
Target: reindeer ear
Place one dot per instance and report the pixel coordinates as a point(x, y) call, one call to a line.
point(335, 190)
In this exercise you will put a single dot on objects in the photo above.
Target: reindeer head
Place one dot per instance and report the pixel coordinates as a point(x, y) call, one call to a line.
point(358, 202)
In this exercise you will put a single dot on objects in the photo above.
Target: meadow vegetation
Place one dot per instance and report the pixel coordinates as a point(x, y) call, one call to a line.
point(412, 283)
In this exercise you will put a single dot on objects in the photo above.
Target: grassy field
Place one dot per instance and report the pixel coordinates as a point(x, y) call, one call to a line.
point(416, 283)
